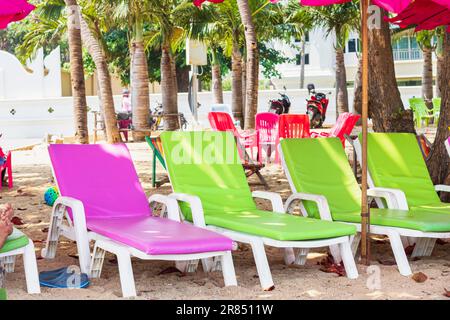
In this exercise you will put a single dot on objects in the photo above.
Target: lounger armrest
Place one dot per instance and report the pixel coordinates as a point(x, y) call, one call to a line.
point(274, 198)
point(321, 201)
point(173, 212)
point(395, 198)
point(442, 188)
point(195, 203)
point(75, 205)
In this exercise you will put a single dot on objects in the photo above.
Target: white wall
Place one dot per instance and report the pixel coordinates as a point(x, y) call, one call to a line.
point(16, 82)
point(33, 120)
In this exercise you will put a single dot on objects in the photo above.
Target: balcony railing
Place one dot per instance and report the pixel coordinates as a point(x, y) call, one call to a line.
point(407, 54)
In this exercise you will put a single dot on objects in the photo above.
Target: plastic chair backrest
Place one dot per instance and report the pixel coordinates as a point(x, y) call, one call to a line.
point(437, 104)
point(221, 121)
point(344, 125)
point(266, 124)
point(294, 126)
point(418, 106)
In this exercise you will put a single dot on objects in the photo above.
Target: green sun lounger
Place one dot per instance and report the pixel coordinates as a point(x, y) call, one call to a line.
point(420, 111)
point(18, 244)
point(210, 184)
point(395, 161)
point(341, 194)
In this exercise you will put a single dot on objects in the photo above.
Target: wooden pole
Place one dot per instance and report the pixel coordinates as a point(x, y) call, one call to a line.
point(365, 215)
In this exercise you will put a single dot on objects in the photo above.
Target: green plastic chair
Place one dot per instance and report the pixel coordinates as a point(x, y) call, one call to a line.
point(395, 161)
point(337, 185)
point(209, 182)
point(18, 244)
point(436, 109)
point(421, 111)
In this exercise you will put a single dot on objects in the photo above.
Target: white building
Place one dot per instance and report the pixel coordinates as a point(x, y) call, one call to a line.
point(320, 61)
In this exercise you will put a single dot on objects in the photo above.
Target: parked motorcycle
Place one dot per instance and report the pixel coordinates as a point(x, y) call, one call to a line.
point(281, 105)
point(316, 107)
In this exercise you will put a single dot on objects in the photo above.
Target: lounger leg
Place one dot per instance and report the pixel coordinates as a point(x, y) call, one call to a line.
point(399, 254)
point(301, 256)
point(349, 261)
point(126, 274)
point(424, 247)
point(81, 236)
point(262, 265)
point(336, 253)
point(31, 271)
point(289, 256)
point(189, 266)
point(98, 257)
point(229, 275)
point(49, 252)
point(355, 241)
point(8, 263)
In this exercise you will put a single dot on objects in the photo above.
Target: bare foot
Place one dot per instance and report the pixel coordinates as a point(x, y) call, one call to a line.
point(6, 228)
point(6, 212)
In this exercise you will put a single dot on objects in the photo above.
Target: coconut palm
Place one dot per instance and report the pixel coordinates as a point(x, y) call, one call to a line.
point(338, 20)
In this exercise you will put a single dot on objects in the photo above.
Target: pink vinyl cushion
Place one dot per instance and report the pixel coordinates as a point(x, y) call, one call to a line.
point(154, 235)
point(104, 179)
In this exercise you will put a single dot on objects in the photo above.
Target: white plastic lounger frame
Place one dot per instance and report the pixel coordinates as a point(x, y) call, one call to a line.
point(257, 243)
point(7, 259)
point(395, 199)
point(424, 247)
point(62, 225)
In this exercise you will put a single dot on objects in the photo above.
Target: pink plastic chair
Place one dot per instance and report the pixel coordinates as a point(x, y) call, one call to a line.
point(267, 134)
point(293, 126)
point(344, 126)
point(222, 121)
point(105, 201)
point(6, 168)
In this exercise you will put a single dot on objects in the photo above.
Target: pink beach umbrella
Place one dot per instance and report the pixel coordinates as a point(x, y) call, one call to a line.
point(13, 10)
point(424, 14)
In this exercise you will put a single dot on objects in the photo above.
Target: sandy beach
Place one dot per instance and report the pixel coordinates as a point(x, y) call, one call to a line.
point(154, 279)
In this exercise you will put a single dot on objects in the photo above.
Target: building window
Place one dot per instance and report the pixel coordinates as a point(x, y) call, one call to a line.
point(298, 59)
point(353, 45)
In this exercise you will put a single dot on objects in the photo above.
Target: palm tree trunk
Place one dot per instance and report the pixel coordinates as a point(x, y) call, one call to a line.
point(427, 76)
point(302, 63)
point(77, 72)
point(104, 83)
point(236, 84)
point(140, 99)
point(216, 79)
point(168, 88)
point(341, 83)
point(385, 104)
point(438, 161)
point(252, 64)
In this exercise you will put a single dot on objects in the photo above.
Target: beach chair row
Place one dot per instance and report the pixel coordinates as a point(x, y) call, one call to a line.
point(212, 207)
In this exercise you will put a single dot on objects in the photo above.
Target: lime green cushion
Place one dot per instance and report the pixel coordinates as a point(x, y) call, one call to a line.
point(15, 241)
point(395, 161)
point(279, 226)
point(415, 219)
point(434, 207)
point(320, 166)
point(206, 164)
point(335, 180)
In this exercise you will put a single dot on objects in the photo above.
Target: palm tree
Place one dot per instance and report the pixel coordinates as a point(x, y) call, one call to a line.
point(339, 20)
point(132, 13)
point(77, 72)
point(252, 64)
point(50, 29)
point(427, 45)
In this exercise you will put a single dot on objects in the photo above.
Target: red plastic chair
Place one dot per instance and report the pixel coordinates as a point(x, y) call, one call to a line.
point(344, 125)
point(6, 168)
point(222, 121)
point(293, 126)
point(267, 134)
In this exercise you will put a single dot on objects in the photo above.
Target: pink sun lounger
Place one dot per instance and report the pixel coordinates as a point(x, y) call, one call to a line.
point(102, 200)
